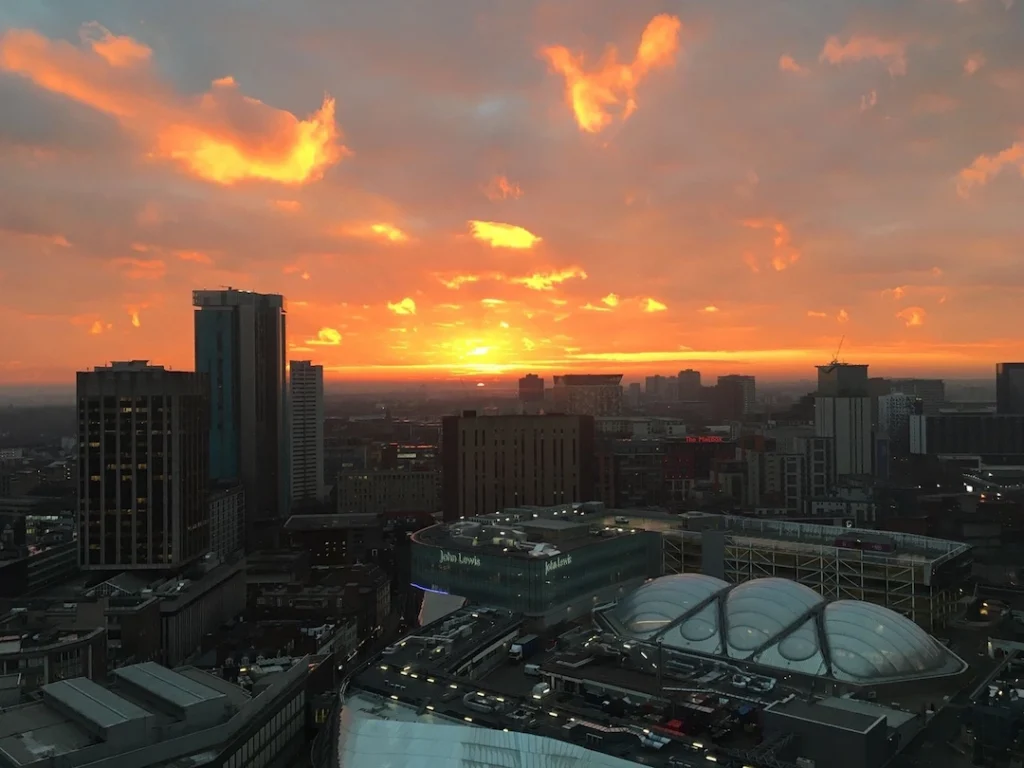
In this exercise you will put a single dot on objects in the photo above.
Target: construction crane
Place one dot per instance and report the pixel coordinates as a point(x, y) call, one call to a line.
point(835, 358)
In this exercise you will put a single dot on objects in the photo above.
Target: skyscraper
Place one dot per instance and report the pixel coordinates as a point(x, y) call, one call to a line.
point(746, 383)
point(306, 385)
point(842, 413)
point(588, 394)
point(1010, 388)
point(142, 463)
point(689, 385)
point(240, 345)
point(531, 388)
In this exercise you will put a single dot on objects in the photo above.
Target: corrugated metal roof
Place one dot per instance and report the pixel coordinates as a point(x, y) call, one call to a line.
point(165, 684)
point(94, 703)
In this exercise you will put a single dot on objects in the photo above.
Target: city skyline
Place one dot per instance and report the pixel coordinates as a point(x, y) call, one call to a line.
point(476, 191)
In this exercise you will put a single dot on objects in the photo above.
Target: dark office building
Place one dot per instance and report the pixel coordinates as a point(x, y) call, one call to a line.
point(588, 394)
point(531, 388)
point(142, 467)
point(240, 344)
point(1010, 388)
point(689, 385)
point(997, 439)
point(493, 462)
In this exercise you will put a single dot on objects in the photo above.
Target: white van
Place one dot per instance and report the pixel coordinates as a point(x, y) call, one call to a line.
point(532, 669)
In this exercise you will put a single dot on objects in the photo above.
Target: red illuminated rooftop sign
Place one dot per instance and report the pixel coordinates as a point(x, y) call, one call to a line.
point(705, 439)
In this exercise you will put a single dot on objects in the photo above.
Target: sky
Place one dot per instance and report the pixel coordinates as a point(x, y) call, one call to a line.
point(446, 187)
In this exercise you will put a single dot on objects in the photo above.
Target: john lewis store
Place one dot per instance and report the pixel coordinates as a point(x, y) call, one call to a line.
point(548, 570)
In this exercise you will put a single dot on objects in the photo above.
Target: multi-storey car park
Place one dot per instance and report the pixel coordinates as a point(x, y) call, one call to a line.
point(594, 693)
point(917, 576)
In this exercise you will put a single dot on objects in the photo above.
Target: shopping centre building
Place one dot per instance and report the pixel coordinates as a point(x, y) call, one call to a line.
point(550, 564)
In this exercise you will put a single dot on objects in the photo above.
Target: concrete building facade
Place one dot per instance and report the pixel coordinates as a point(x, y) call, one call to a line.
point(493, 462)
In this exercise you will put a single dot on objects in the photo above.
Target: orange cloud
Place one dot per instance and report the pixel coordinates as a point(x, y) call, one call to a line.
point(457, 281)
point(500, 188)
point(133, 313)
point(221, 136)
point(194, 256)
point(492, 302)
point(653, 305)
point(986, 167)
point(788, 64)
point(499, 235)
point(612, 300)
point(896, 293)
point(389, 232)
point(912, 316)
point(594, 96)
point(843, 316)
point(710, 309)
point(892, 53)
point(595, 308)
point(288, 206)
point(404, 307)
point(785, 254)
point(116, 51)
point(325, 337)
point(973, 63)
point(94, 326)
point(813, 313)
point(546, 281)
point(141, 269)
point(751, 261)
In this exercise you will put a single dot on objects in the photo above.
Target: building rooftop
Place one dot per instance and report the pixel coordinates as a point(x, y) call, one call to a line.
point(143, 706)
point(610, 700)
point(780, 534)
point(332, 521)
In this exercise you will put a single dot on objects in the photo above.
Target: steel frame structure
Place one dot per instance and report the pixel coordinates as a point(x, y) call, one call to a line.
point(895, 581)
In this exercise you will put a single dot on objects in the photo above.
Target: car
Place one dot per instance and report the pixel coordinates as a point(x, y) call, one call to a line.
point(621, 520)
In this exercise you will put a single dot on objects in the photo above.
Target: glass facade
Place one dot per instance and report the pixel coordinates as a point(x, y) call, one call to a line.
point(535, 585)
point(217, 356)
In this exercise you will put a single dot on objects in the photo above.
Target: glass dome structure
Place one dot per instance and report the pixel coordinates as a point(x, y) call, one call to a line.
point(783, 625)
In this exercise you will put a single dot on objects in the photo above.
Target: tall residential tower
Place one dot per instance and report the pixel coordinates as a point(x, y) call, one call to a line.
point(306, 385)
point(240, 345)
point(142, 464)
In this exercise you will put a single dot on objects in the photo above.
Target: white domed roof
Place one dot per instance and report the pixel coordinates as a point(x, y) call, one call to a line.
point(758, 611)
point(868, 642)
point(781, 624)
point(653, 606)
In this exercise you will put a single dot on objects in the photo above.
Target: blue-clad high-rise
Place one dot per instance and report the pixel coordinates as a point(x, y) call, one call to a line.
point(240, 345)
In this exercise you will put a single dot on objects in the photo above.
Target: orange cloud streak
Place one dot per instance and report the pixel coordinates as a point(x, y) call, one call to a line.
point(221, 136)
point(546, 281)
point(653, 305)
point(325, 337)
point(985, 167)
point(912, 316)
point(499, 235)
point(785, 254)
point(141, 269)
point(612, 86)
point(893, 53)
point(612, 300)
point(404, 307)
point(501, 188)
point(788, 64)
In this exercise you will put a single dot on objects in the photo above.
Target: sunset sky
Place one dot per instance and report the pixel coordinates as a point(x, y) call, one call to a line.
point(491, 186)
